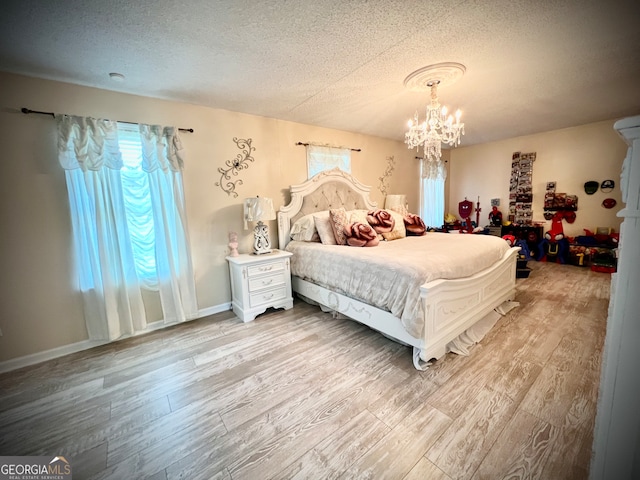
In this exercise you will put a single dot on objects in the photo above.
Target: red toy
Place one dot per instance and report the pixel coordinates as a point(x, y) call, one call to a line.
point(464, 209)
point(510, 239)
point(495, 216)
point(554, 246)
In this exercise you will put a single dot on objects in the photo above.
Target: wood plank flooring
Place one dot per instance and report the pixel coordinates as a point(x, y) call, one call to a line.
point(300, 395)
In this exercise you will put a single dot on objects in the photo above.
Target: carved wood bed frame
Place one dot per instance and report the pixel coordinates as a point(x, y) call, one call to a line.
point(450, 306)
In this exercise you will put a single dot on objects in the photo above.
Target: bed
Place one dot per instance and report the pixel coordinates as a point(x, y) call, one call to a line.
point(440, 298)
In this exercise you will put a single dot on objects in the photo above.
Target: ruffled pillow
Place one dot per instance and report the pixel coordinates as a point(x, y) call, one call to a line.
point(381, 220)
point(414, 224)
point(361, 235)
point(339, 222)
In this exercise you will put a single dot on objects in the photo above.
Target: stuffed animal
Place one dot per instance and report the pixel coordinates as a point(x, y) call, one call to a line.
point(495, 217)
point(554, 246)
point(510, 239)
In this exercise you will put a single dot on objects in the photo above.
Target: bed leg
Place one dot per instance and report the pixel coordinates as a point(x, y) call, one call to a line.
point(417, 362)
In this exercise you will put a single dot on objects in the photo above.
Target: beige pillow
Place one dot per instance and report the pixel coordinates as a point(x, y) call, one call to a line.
point(401, 209)
point(325, 231)
point(357, 216)
point(399, 230)
point(304, 229)
point(339, 222)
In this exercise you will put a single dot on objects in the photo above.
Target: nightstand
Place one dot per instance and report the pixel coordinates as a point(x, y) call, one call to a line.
point(259, 282)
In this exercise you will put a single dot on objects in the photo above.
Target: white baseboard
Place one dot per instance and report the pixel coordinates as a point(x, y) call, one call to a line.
point(205, 312)
point(38, 357)
point(32, 359)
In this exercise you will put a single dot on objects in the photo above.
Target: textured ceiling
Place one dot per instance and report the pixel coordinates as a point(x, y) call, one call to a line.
point(531, 65)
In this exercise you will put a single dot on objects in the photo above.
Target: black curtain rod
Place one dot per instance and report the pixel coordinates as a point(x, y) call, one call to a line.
point(307, 144)
point(26, 110)
point(422, 158)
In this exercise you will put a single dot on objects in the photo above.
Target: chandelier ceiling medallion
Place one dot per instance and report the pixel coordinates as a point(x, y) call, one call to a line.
point(438, 127)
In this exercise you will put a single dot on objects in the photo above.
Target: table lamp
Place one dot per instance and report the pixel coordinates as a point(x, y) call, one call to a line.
point(257, 209)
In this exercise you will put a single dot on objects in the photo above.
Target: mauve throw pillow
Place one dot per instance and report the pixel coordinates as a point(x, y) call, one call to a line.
point(414, 224)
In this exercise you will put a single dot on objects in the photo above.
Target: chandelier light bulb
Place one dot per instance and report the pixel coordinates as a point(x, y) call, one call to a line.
point(444, 111)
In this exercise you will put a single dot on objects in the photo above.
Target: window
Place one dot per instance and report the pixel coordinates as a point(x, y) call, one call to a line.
point(432, 178)
point(128, 220)
point(321, 158)
point(138, 206)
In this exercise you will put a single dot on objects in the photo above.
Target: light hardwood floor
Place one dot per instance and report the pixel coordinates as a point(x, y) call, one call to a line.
point(299, 394)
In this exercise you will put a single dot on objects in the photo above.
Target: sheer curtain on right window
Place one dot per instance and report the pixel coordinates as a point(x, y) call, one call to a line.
point(432, 178)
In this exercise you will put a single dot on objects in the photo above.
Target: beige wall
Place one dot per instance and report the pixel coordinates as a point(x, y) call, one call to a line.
point(41, 308)
point(569, 157)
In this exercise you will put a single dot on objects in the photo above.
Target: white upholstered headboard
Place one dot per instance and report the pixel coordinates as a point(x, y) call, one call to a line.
point(329, 189)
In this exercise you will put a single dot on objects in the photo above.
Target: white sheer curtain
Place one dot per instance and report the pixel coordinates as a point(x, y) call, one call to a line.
point(162, 160)
point(434, 174)
point(321, 157)
point(88, 151)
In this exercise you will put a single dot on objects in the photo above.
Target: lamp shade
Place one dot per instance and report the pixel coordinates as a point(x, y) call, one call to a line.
point(258, 209)
point(396, 203)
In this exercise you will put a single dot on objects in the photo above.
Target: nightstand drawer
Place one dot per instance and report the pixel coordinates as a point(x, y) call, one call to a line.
point(266, 281)
point(265, 268)
point(268, 296)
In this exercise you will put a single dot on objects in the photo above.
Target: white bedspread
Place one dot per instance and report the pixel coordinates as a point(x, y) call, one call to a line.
point(389, 276)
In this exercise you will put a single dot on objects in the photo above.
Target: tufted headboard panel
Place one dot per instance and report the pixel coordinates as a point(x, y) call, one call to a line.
point(330, 189)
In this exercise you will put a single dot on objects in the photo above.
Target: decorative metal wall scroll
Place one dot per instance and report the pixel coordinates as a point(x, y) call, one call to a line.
point(241, 162)
point(384, 179)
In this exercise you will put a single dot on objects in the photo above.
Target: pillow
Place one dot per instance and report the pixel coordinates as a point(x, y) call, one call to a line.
point(361, 235)
point(304, 230)
point(414, 224)
point(398, 230)
point(339, 222)
point(381, 220)
point(359, 216)
point(401, 209)
point(325, 231)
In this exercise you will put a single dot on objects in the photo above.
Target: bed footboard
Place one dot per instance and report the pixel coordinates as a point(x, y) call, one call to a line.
point(452, 306)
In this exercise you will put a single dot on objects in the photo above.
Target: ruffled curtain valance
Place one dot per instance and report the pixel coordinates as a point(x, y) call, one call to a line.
point(434, 169)
point(91, 144)
point(161, 148)
point(88, 143)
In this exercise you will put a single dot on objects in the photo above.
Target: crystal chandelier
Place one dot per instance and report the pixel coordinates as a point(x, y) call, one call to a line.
point(438, 127)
